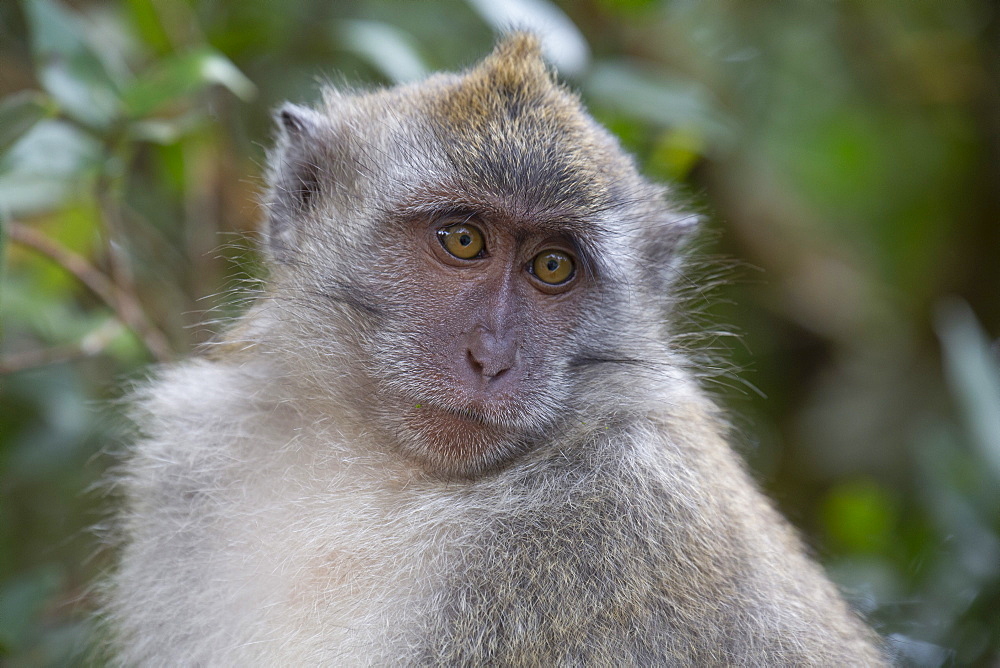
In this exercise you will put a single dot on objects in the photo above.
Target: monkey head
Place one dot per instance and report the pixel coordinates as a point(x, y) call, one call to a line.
point(460, 245)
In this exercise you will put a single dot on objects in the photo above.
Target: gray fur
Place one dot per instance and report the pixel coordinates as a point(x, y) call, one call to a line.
point(275, 516)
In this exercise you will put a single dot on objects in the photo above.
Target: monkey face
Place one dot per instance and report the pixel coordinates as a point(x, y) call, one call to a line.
point(476, 240)
point(477, 369)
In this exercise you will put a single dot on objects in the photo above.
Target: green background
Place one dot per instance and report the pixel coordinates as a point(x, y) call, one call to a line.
point(846, 154)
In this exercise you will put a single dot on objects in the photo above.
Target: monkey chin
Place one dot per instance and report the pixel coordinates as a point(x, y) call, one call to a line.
point(457, 443)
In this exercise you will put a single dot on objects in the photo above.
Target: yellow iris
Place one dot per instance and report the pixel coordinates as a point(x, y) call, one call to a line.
point(552, 267)
point(462, 240)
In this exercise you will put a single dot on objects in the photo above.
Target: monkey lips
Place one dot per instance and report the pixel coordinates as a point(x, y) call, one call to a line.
point(460, 441)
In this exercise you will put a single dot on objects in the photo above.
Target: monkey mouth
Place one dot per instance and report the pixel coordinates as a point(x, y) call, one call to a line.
point(462, 415)
point(448, 423)
point(497, 414)
point(461, 441)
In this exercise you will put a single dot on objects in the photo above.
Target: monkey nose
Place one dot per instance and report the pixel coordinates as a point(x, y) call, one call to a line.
point(491, 356)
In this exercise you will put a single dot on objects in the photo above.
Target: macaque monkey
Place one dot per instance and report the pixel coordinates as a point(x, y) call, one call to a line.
point(456, 427)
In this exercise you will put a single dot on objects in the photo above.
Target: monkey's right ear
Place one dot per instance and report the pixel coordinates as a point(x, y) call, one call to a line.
point(297, 121)
point(295, 175)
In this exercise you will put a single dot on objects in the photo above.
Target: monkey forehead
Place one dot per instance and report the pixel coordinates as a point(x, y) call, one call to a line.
point(503, 131)
point(508, 125)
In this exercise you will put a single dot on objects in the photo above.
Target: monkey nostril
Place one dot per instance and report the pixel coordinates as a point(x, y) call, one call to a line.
point(497, 374)
point(490, 367)
point(473, 362)
point(490, 356)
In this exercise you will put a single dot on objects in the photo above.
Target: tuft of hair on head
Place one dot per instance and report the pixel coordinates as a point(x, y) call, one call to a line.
point(513, 77)
point(515, 62)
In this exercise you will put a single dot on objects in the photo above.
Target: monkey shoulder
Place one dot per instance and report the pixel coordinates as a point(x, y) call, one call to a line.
point(195, 414)
point(630, 524)
point(253, 535)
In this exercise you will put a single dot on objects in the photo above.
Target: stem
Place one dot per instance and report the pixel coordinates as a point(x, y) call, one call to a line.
point(124, 302)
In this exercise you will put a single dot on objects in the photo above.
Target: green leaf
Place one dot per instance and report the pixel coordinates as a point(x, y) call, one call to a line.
point(68, 68)
point(563, 44)
point(54, 29)
point(3, 254)
point(164, 132)
point(389, 49)
point(18, 113)
point(973, 374)
point(147, 25)
point(675, 153)
point(75, 85)
point(45, 166)
point(182, 75)
point(665, 101)
point(860, 516)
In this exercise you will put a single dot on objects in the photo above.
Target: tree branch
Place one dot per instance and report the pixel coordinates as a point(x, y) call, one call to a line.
point(124, 303)
point(90, 345)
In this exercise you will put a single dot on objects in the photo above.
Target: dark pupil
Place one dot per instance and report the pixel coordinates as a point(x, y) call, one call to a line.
point(465, 240)
point(552, 265)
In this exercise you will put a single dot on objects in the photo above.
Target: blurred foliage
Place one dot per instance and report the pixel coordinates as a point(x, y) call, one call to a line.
point(848, 151)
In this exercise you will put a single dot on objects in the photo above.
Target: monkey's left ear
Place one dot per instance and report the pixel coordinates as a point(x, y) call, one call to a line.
point(662, 247)
point(296, 168)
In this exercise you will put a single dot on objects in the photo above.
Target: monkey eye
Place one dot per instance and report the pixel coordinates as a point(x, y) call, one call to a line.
point(553, 267)
point(462, 240)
